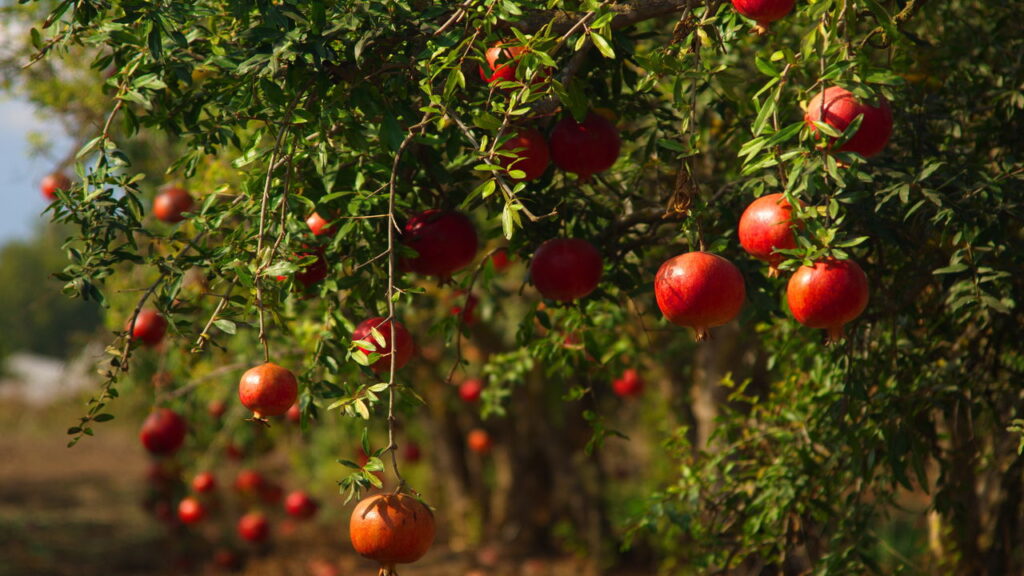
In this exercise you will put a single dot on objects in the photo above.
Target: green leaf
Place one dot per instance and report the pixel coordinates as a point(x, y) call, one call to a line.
point(602, 45)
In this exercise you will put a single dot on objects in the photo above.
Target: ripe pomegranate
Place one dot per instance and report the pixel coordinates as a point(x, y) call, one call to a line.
point(171, 204)
point(466, 316)
point(163, 431)
point(566, 269)
point(294, 414)
point(764, 12)
point(585, 149)
point(150, 327)
point(699, 289)
point(404, 344)
point(191, 511)
point(767, 225)
point(299, 505)
point(629, 384)
point(204, 482)
point(253, 527)
point(479, 441)
point(828, 295)
point(318, 225)
point(499, 259)
point(249, 482)
point(470, 390)
point(444, 240)
point(531, 154)
point(838, 107)
point(391, 529)
point(53, 182)
point(412, 452)
point(268, 390)
point(501, 63)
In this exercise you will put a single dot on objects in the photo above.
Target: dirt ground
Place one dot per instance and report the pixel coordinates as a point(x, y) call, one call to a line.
point(78, 512)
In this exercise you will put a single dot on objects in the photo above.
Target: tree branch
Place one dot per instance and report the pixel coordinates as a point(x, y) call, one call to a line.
point(629, 13)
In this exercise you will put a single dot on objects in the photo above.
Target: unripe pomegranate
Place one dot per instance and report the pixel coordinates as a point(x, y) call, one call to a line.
point(190, 511)
point(53, 182)
point(268, 390)
point(249, 482)
point(766, 226)
point(764, 12)
point(150, 327)
point(699, 289)
point(444, 240)
point(531, 154)
point(470, 390)
point(585, 148)
point(403, 343)
point(318, 225)
point(479, 441)
point(171, 204)
point(391, 529)
point(163, 431)
point(629, 384)
point(299, 505)
point(838, 107)
point(253, 527)
point(501, 63)
point(204, 482)
point(828, 295)
point(566, 269)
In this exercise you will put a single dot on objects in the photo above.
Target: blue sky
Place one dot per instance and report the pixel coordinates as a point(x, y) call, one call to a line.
point(19, 173)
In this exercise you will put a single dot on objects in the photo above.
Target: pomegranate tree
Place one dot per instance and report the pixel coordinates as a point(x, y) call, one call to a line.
point(171, 204)
point(766, 226)
point(163, 432)
point(403, 342)
point(444, 240)
point(531, 154)
point(565, 269)
point(150, 327)
point(828, 295)
point(700, 290)
point(585, 148)
point(391, 529)
point(268, 390)
point(838, 107)
point(764, 12)
point(53, 182)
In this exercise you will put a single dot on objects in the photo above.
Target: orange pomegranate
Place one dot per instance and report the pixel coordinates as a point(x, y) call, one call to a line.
point(391, 529)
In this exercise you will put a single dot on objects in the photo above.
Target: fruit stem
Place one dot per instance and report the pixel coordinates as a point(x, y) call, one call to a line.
point(387, 570)
point(761, 29)
point(834, 335)
point(773, 271)
point(702, 333)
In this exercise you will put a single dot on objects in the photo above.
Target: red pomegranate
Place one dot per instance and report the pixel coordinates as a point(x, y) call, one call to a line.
point(294, 414)
point(501, 63)
point(531, 154)
point(699, 289)
point(828, 295)
point(253, 527)
point(150, 327)
point(565, 269)
point(585, 148)
point(268, 390)
point(53, 182)
point(227, 559)
point(764, 12)
point(404, 344)
point(499, 259)
point(204, 482)
point(318, 226)
point(767, 225)
point(298, 504)
point(444, 240)
point(466, 316)
point(163, 431)
point(470, 390)
point(412, 452)
point(629, 384)
point(249, 482)
point(190, 511)
point(838, 107)
point(171, 204)
point(216, 409)
point(391, 529)
point(479, 441)
point(314, 272)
